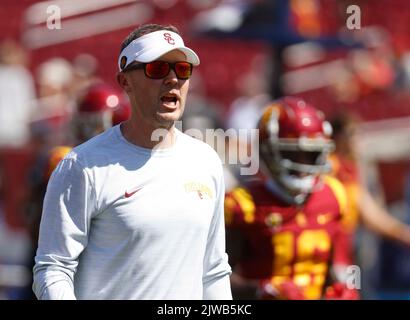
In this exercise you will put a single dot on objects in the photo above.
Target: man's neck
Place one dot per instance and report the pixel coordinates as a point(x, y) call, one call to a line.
point(150, 138)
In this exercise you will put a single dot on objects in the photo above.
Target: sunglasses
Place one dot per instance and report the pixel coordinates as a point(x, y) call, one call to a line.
point(160, 69)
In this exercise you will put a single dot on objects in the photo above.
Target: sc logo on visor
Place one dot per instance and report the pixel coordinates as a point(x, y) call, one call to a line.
point(168, 38)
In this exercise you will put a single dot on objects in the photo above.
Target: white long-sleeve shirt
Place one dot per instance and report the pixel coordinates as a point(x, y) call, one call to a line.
point(124, 222)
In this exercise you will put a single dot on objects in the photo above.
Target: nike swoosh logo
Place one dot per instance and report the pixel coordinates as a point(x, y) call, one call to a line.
point(129, 194)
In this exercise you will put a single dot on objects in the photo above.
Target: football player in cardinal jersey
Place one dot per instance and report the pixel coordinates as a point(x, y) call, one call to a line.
point(281, 226)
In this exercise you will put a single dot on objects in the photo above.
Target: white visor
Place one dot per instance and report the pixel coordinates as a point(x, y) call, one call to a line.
point(153, 45)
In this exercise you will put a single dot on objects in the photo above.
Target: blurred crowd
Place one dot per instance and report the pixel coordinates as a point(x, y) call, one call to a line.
point(62, 103)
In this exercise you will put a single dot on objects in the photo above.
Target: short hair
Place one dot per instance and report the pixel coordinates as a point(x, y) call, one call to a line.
point(143, 30)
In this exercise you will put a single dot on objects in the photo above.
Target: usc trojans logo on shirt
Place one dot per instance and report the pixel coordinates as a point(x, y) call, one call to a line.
point(201, 189)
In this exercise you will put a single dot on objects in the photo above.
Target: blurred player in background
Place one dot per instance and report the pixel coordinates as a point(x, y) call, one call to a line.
point(98, 108)
point(361, 205)
point(281, 227)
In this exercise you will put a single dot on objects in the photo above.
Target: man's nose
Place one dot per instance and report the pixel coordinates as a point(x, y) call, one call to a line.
point(171, 78)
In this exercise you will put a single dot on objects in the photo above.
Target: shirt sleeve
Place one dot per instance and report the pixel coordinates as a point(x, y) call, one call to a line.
point(61, 290)
point(68, 205)
point(216, 284)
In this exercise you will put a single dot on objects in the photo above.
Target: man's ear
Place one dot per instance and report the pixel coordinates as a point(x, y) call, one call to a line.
point(123, 82)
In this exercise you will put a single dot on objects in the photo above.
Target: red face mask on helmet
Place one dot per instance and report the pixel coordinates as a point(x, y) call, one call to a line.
point(100, 108)
point(294, 144)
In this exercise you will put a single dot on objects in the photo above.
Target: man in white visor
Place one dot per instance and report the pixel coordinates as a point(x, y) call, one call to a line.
point(137, 212)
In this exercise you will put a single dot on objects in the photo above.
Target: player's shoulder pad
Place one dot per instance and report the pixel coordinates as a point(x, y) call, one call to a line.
point(55, 155)
point(239, 205)
point(338, 190)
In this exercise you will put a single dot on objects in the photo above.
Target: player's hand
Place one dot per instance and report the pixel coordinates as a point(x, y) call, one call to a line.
point(285, 291)
point(290, 291)
point(339, 291)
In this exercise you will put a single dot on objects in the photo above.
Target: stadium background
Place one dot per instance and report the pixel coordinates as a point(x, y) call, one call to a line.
point(300, 47)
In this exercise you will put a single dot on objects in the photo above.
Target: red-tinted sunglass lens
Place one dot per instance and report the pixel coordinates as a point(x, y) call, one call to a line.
point(183, 70)
point(157, 69)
